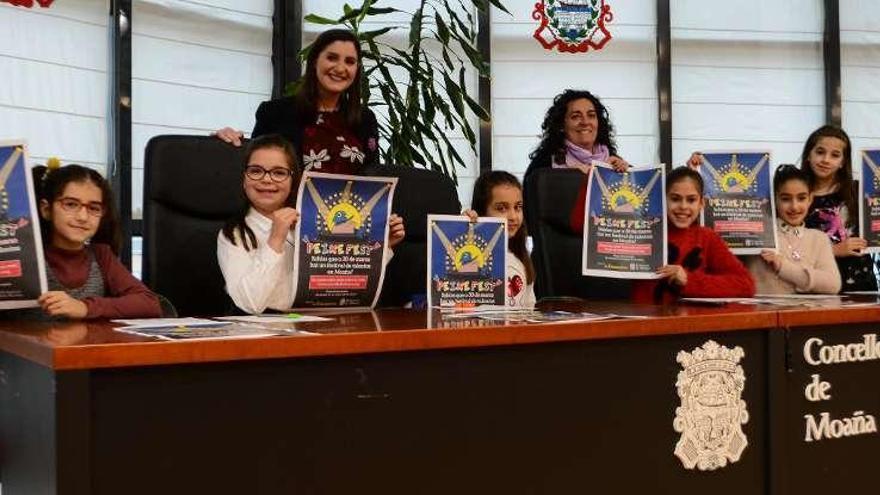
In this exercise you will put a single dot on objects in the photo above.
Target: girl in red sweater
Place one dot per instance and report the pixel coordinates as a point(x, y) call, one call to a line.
point(81, 236)
point(700, 264)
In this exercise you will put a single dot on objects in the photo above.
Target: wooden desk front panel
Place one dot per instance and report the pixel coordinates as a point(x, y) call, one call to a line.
point(576, 417)
point(820, 458)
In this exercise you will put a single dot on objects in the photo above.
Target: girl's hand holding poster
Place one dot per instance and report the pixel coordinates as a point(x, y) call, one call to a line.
point(466, 260)
point(22, 269)
point(869, 209)
point(739, 200)
point(625, 222)
point(342, 237)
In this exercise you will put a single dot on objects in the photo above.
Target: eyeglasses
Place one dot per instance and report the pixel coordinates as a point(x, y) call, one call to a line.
point(278, 174)
point(73, 205)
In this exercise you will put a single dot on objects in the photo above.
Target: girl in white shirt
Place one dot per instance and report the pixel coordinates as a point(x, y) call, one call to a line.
point(499, 194)
point(255, 248)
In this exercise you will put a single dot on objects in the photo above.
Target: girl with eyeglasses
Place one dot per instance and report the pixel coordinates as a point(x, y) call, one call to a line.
point(255, 248)
point(81, 237)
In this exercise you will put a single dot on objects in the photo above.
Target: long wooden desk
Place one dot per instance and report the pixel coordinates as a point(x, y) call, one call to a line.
point(383, 402)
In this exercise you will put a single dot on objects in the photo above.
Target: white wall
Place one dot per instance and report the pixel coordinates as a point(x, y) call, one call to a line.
point(526, 78)
point(746, 74)
point(196, 66)
point(54, 92)
point(860, 73)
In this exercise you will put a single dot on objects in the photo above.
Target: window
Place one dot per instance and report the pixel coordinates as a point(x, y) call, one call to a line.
point(196, 67)
point(55, 87)
point(860, 69)
point(746, 75)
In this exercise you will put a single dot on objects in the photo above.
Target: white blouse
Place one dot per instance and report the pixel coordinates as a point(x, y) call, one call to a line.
point(520, 293)
point(260, 278)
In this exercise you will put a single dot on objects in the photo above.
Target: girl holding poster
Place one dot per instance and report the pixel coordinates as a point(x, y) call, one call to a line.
point(701, 265)
point(804, 261)
point(81, 234)
point(499, 194)
point(827, 162)
point(255, 249)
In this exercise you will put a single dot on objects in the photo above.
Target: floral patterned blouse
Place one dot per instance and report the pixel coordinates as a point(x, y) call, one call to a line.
point(829, 214)
point(330, 146)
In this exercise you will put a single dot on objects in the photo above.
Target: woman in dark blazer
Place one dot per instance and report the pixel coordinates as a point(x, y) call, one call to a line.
point(326, 119)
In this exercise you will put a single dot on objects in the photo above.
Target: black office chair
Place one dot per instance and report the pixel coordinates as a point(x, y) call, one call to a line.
point(192, 186)
point(549, 198)
point(418, 193)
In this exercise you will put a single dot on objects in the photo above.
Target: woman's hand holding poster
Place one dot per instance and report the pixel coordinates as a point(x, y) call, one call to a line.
point(625, 222)
point(739, 199)
point(466, 260)
point(342, 239)
point(869, 209)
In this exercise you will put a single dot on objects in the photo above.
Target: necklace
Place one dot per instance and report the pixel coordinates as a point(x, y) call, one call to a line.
point(793, 237)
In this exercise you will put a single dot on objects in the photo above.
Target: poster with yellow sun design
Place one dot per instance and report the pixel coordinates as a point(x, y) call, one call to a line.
point(466, 261)
point(625, 222)
point(22, 267)
point(739, 199)
point(869, 211)
point(342, 239)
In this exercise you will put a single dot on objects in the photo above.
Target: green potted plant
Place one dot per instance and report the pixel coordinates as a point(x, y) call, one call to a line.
point(417, 113)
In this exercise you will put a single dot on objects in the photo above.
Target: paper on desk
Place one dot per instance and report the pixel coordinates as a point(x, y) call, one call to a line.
point(220, 330)
point(719, 300)
point(275, 318)
point(797, 296)
point(165, 322)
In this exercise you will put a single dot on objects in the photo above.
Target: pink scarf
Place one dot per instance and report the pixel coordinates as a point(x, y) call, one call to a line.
point(575, 155)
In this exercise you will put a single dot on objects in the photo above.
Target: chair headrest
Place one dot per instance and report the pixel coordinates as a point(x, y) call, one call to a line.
point(550, 194)
point(179, 168)
point(418, 193)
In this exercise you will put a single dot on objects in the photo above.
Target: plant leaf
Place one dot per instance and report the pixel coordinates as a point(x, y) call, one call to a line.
point(454, 93)
point(442, 29)
point(381, 10)
point(316, 19)
point(371, 35)
point(415, 28)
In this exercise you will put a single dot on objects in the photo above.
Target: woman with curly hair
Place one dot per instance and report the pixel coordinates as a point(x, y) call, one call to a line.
point(576, 130)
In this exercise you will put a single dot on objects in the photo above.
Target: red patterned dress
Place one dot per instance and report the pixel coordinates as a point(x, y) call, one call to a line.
point(329, 146)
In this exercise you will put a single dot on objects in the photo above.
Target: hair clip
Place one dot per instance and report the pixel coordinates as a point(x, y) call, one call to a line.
point(53, 163)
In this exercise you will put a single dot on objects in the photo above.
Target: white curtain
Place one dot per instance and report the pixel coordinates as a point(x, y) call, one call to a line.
point(196, 66)
point(746, 75)
point(54, 90)
point(860, 71)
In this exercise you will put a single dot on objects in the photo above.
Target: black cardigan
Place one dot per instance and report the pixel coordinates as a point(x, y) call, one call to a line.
point(282, 116)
